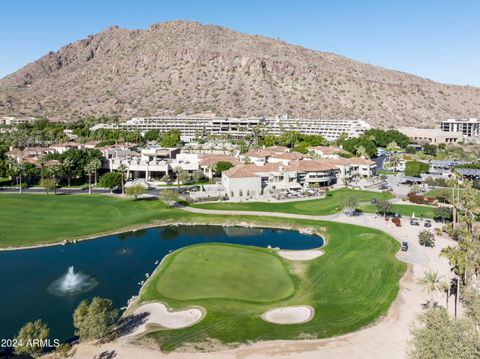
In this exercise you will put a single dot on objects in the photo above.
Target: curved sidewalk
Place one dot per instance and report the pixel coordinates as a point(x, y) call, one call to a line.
point(387, 338)
point(412, 256)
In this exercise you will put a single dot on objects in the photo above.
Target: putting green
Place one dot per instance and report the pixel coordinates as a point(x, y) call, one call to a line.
point(349, 287)
point(224, 271)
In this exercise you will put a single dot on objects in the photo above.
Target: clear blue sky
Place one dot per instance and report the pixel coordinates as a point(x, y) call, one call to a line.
point(438, 39)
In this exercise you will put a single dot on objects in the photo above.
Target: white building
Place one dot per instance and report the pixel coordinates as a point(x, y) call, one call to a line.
point(274, 154)
point(467, 127)
point(328, 128)
point(13, 121)
point(195, 126)
point(252, 179)
point(431, 135)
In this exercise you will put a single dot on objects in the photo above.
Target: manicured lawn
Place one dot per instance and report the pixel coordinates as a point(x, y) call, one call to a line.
point(331, 204)
point(350, 286)
point(31, 219)
point(405, 210)
point(447, 192)
point(221, 271)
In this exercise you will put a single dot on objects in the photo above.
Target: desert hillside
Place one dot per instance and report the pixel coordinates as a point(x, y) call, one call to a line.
point(186, 67)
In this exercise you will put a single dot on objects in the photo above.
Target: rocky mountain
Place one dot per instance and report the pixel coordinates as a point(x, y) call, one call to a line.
point(186, 67)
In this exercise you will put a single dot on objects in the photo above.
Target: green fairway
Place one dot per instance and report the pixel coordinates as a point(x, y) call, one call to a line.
point(222, 271)
point(350, 286)
point(405, 210)
point(31, 219)
point(331, 204)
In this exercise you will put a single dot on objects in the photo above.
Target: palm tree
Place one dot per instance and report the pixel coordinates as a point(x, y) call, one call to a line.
point(177, 171)
point(98, 164)
point(67, 166)
point(457, 260)
point(122, 168)
point(55, 171)
point(90, 167)
point(362, 152)
point(432, 283)
point(392, 146)
point(18, 170)
point(394, 161)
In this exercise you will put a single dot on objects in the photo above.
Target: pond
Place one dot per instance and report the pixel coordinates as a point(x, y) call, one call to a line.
point(42, 283)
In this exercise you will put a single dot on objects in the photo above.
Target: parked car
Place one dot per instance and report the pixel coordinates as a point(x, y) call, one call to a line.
point(414, 222)
point(428, 223)
point(404, 246)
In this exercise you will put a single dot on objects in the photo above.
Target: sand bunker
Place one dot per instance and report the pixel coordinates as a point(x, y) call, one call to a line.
point(301, 255)
point(289, 315)
point(159, 314)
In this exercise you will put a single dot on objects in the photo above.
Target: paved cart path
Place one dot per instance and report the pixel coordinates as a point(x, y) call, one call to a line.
point(387, 338)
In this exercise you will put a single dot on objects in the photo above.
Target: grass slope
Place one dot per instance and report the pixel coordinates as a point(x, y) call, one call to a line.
point(331, 204)
point(31, 219)
point(221, 271)
point(405, 210)
point(350, 286)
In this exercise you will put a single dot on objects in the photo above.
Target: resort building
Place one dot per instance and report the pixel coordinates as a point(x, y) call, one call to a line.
point(466, 127)
point(13, 121)
point(274, 154)
point(29, 154)
point(328, 128)
point(197, 126)
point(253, 179)
point(430, 135)
point(208, 161)
point(217, 147)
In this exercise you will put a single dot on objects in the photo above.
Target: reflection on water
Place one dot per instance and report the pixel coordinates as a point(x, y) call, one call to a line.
point(242, 232)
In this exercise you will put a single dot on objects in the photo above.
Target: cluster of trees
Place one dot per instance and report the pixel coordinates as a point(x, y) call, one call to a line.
point(366, 145)
point(443, 213)
point(167, 139)
point(430, 149)
point(93, 320)
point(294, 140)
point(72, 164)
point(38, 133)
point(384, 207)
point(437, 182)
point(415, 168)
point(43, 133)
point(438, 335)
point(109, 136)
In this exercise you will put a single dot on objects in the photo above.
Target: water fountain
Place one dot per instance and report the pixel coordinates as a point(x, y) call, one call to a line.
point(72, 283)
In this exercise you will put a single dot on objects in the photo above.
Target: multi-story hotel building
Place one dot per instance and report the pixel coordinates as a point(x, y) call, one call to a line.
point(197, 125)
point(468, 127)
